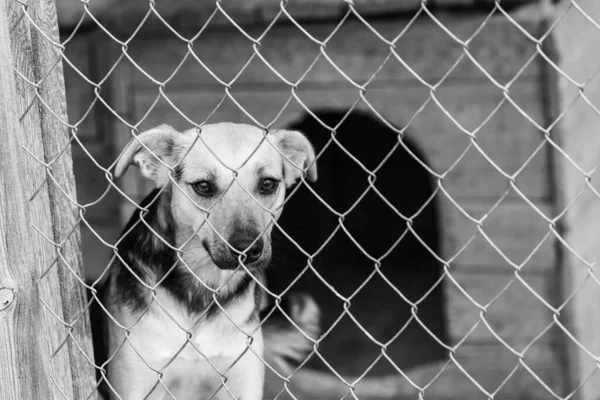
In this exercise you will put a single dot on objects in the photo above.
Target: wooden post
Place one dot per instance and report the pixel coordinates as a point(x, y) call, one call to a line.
point(574, 48)
point(45, 331)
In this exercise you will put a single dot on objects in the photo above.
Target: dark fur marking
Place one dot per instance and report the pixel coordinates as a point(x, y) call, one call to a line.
point(178, 172)
point(148, 257)
point(169, 145)
point(258, 296)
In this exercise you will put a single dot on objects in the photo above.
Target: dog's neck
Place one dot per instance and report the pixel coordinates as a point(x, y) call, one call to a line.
point(153, 260)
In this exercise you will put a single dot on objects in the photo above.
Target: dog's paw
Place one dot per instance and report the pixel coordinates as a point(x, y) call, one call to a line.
point(305, 312)
point(286, 345)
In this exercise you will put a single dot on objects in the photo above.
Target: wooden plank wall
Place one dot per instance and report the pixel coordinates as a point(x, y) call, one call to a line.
point(508, 138)
point(41, 357)
point(124, 16)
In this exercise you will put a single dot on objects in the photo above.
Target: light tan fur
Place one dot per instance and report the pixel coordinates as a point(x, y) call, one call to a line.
point(220, 150)
point(167, 338)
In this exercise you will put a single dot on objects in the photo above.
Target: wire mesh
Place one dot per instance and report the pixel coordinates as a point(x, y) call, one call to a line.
point(504, 249)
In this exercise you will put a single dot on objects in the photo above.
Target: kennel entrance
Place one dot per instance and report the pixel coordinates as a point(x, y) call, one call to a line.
point(347, 245)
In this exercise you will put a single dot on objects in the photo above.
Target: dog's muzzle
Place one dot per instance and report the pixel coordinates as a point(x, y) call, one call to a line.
point(253, 249)
point(243, 247)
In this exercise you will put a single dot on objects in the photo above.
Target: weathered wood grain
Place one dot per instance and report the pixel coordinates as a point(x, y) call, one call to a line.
point(36, 188)
point(24, 363)
point(507, 138)
point(46, 368)
point(55, 137)
point(488, 364)
point(500, 49)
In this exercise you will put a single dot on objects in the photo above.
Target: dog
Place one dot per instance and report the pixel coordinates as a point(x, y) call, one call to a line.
point(183, 299)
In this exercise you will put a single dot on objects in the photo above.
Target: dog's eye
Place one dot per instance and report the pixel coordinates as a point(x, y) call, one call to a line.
point(203, 188)
point(268, 185)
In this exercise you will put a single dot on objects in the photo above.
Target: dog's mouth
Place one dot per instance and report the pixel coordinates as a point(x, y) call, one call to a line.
point(229, 263)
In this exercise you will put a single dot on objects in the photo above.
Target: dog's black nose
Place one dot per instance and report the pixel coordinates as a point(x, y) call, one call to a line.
point(241, 244)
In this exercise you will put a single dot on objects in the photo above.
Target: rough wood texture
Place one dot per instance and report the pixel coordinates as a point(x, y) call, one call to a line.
point(576, 53)
point(35, 372)
point(24, 365)
point(500, 48)
point(39, 205)
point(55, 137)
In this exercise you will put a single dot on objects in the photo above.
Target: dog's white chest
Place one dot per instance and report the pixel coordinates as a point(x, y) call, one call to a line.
point(193, 358)
point(225, 335)
point(166, 331)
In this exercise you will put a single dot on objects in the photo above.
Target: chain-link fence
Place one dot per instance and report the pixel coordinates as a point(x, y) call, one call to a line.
point(408, 210)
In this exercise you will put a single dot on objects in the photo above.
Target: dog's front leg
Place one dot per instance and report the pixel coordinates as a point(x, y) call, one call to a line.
point(131, 378)
point(246, 377)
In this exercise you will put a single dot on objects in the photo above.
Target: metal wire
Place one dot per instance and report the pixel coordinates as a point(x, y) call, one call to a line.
point(404, 382)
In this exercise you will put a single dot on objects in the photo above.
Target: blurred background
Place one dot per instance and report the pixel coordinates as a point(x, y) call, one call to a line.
point(428, 116)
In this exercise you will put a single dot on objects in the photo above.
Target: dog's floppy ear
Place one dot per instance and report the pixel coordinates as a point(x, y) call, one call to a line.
point(163, 142)
point(296, 148)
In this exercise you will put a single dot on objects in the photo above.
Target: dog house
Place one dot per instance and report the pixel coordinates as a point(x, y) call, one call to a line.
point(434, 180)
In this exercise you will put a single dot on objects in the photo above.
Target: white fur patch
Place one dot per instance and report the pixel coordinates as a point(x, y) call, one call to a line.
point(161, 339)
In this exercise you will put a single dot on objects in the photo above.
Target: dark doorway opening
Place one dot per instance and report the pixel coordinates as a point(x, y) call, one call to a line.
point(373, 225)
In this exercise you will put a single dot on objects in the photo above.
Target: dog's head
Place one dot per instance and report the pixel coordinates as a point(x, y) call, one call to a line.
point(230, 186)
